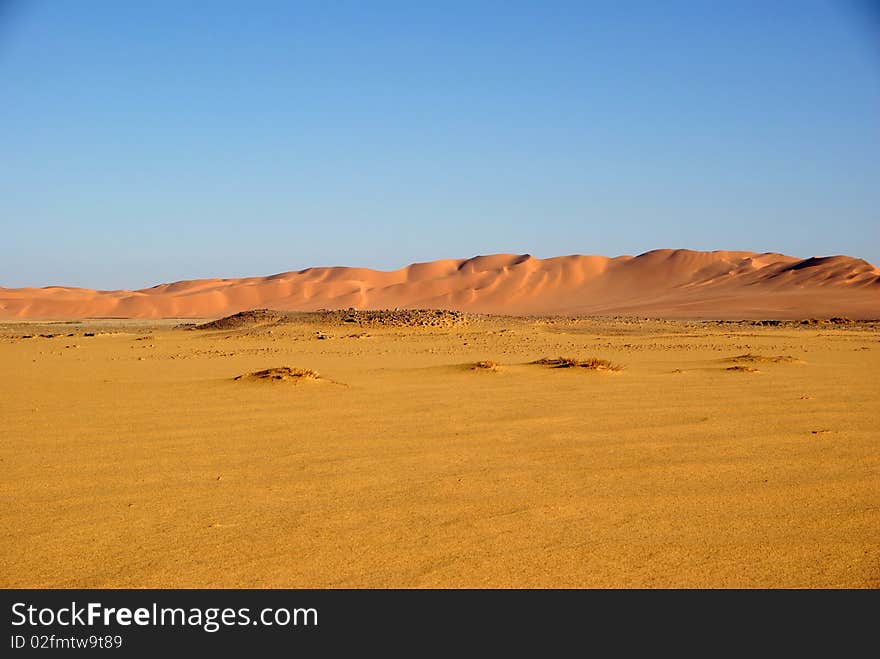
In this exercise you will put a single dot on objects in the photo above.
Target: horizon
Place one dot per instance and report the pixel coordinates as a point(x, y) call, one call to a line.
point(162, 143)
point(156, 284)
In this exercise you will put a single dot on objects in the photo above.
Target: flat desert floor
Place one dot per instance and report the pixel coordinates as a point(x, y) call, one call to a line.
point(722, 455)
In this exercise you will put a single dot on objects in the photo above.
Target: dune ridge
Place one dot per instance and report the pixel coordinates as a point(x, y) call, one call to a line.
point(671, 283)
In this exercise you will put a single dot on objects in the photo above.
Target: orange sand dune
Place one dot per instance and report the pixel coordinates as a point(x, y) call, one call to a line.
point(661, 283)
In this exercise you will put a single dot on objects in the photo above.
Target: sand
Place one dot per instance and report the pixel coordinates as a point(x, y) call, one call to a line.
point(133, 457)
point(663, 283)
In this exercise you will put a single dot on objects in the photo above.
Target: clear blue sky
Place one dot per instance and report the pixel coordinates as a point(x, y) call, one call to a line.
point(143, 142)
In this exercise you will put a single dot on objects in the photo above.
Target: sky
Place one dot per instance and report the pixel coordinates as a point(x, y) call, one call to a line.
point(165, 140)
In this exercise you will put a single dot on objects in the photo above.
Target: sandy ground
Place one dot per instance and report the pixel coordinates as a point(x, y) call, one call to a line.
point(133, 458)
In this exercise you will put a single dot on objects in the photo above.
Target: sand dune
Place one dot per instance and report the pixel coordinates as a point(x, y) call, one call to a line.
point(662, 283)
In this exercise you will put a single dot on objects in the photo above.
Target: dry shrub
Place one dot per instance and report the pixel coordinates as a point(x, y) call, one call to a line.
point(486, 365)
point(591, 363)
point(281, 374)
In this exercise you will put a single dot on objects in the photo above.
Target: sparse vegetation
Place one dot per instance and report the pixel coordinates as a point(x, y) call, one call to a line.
point(282, 373)
point(591, 363)
point(739, 368)
point(763, 359)
point(486, 365)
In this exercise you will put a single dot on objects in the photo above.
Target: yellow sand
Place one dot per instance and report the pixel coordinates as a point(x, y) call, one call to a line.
point(143, 463)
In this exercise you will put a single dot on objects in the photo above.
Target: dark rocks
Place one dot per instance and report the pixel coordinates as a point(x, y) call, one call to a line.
point(244, 319)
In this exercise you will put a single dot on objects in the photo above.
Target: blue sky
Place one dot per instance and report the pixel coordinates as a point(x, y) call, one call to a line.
point(150, 142)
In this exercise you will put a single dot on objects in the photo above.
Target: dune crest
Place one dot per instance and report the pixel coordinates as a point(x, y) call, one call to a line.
point(661, 283)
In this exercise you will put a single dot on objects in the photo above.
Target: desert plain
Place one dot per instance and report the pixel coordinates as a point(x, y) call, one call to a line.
point(429, 449)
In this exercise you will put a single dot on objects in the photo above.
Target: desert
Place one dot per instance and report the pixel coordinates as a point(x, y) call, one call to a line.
point(668, 283)
point(398, 322)
point(423, 447)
